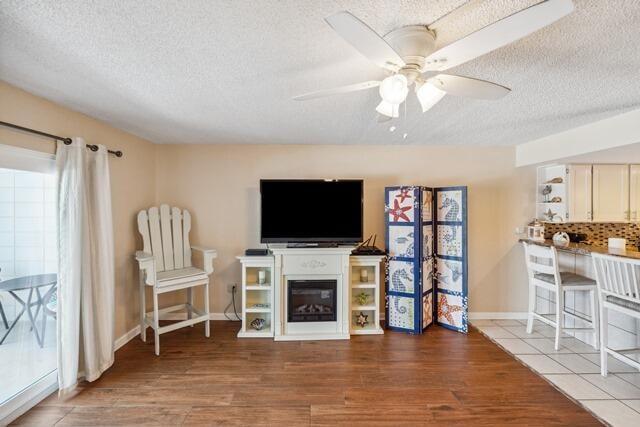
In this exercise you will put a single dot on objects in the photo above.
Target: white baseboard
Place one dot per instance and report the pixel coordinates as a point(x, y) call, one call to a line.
point(128, 336)
point(498, 315)
point(134, 332)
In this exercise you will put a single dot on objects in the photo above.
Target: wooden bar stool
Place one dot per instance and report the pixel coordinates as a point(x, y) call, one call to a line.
point(543, 271)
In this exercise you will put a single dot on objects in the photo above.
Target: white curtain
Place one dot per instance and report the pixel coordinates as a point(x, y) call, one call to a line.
point(86, 264)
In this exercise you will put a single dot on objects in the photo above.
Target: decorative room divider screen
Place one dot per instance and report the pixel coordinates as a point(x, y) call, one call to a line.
point(422, 269)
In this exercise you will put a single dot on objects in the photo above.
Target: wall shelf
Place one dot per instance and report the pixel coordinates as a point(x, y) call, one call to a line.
point(543, 203)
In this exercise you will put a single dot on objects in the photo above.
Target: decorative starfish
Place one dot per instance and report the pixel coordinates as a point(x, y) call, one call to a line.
point(445, 309)
point(362, 320)
point(399, 211)
point(550, 215)
point(404, 194)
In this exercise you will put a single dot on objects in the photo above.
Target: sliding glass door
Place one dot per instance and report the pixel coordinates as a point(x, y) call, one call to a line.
point(28, 281)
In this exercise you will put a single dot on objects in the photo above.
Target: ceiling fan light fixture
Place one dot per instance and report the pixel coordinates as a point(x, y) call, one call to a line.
point(387, 109)
point(428, 95)
point(394, 89)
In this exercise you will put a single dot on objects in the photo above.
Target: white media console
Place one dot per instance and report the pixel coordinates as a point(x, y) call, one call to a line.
point(310, 294)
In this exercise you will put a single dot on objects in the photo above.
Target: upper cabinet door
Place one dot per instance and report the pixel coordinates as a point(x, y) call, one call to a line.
point(579, 193)
point(610, 193)
point(634, 192)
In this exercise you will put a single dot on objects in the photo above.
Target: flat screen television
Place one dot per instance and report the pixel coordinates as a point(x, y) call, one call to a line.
point(310, 211)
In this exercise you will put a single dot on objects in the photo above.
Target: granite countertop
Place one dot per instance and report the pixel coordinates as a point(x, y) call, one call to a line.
point(585, 249)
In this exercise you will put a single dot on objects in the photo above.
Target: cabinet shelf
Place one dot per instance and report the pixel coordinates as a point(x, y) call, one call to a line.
point(258, 287)
point(258, 310)
point(360, 285)
point(363, 308)
point(257, 300)
point(371, 288)
point(370, 327)
point(252, 333)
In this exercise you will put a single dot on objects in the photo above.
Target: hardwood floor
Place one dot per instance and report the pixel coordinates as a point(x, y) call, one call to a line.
point(439, 378)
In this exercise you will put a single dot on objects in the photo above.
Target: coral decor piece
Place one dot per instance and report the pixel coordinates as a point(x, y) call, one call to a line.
point(557, 180)
point(258, 324)
point(362, 298)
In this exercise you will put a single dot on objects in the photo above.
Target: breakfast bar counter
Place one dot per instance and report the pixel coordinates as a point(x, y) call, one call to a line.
point(585, 249)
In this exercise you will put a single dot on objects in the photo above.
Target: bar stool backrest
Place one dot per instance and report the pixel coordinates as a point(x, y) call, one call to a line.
point(617, 276)
point(541, 260)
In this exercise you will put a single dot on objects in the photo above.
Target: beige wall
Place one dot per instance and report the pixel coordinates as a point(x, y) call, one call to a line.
point(219, 185)
point(132, 177)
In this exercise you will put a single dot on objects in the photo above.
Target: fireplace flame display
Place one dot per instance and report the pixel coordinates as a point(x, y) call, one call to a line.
point(311, 300)
point(313, 308)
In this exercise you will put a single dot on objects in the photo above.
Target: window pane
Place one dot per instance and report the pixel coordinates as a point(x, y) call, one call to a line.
point(28, 263)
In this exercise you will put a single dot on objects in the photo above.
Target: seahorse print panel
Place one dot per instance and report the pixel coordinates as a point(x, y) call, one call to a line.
point(427, 205)
point(449, 205)
point(401, 242)
point(401, 276)
point(450, 274)
point(401, 313)
point(427, 274)
point(427, 310)
point(427, 239)
point(402, 204)
point(452, 311)
point(450, 240)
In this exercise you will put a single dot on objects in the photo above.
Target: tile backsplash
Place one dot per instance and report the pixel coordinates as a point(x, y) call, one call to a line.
point(597, 232)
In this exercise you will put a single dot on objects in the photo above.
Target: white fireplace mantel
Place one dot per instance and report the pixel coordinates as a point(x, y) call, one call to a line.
point(309, 264)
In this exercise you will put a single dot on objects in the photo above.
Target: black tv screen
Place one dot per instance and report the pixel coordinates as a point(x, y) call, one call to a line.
point(310, 211)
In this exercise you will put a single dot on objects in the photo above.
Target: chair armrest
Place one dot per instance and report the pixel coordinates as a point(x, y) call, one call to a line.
point(208, 255)
point(143, 256)
point(147, 266)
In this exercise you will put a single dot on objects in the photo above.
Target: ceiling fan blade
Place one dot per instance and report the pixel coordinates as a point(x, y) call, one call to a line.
point(468, 87)
point(498, 34)
point(365, 40)
point(337, 90)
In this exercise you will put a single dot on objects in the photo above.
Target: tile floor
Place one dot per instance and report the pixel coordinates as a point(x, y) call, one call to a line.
point(574, 369)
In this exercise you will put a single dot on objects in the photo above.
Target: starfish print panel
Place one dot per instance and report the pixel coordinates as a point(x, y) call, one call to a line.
point(398, 212)
point(446, 310)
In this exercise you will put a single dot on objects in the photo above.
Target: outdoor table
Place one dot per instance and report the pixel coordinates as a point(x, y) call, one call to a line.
point(33, 284)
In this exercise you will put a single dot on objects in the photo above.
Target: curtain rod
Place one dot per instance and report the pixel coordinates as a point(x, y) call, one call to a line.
point(67, 141)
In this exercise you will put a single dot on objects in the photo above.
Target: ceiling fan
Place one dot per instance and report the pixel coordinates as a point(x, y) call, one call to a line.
point(409, 57)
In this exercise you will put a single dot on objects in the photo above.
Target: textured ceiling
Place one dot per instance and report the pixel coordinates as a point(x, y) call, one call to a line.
point(204, 71)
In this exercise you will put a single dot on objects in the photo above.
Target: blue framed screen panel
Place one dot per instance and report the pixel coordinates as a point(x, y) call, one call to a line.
point(428, 260)
point(409, 290)
point(451, 258)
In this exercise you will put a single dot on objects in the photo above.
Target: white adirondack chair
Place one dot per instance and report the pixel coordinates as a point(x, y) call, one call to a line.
point(165, 264)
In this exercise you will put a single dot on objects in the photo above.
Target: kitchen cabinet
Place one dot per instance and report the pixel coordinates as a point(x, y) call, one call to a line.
point(634, 192)
point(610, 193)
point(579, 193)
